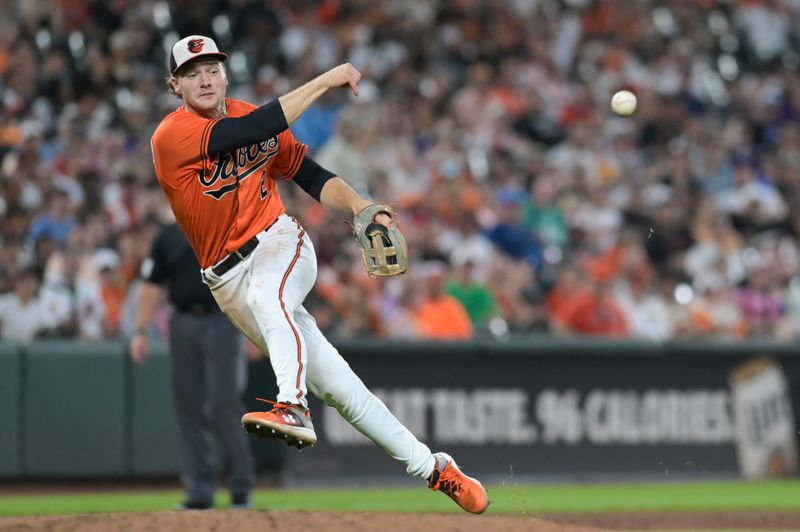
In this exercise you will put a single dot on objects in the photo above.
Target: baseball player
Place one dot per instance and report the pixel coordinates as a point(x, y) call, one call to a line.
point(218, 160)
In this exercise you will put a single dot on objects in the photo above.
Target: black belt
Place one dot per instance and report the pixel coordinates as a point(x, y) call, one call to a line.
point(221, 268)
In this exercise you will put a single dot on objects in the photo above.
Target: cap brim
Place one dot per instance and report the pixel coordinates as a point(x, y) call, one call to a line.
point(219, 55)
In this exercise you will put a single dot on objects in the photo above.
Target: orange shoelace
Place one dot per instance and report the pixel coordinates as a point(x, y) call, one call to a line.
point(284, 406)
point(450, 487)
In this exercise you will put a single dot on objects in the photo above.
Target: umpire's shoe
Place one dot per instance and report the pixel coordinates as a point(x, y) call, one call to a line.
point(285, 421)
point(466, 491)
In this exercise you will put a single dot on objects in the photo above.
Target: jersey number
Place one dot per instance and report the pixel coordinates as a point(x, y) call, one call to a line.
point(264, 189)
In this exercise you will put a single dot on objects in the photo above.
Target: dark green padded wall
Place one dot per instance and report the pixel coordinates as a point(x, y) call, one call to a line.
point(74, 413)
point(154, 435)
point(10, 404)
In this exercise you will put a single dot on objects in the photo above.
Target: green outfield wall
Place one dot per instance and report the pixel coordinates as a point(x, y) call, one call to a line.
point(11, 404)
point(83, 410)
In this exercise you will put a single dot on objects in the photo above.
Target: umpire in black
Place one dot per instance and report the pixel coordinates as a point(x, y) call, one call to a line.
point(208, 369)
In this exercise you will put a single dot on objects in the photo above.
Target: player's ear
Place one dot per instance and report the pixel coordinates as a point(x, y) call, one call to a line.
point(172, 84)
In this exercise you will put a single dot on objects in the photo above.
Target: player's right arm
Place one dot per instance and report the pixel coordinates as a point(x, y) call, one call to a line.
point(269, 120)
point(299, 100)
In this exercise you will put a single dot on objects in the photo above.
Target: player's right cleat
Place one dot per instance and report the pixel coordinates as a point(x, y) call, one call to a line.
point(286, 421)
point(466, 491)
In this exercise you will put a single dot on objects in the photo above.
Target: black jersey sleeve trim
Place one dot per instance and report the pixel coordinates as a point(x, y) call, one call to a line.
point(299, 158)
point(257, 126)
point(311, 177)
point(203, 138)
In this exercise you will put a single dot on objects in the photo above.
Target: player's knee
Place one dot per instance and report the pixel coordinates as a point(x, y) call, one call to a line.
point(346, 400)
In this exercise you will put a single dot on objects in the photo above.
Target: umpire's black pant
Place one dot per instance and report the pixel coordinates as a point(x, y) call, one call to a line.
point(208, 372)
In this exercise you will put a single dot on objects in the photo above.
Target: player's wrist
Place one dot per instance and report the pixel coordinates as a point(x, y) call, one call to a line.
point(360, 204)
point(324, 82)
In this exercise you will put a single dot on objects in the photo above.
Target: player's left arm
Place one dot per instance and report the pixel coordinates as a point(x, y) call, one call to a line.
point(337, 194)
point(331, 190)
point(293, 162)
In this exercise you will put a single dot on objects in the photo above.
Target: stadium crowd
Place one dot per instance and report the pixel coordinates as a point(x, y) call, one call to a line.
point(528, 206)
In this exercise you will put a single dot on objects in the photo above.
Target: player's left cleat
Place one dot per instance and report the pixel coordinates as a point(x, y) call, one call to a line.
point(467, 492)
point(286, 421)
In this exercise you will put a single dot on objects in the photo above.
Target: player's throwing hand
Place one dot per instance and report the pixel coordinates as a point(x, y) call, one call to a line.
point(343, 76)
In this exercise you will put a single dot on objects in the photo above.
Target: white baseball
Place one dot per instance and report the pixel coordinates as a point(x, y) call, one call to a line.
point(623, 103)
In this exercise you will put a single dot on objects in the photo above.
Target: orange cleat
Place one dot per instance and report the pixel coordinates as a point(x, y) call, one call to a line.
point(285, 421)
point(466, 491)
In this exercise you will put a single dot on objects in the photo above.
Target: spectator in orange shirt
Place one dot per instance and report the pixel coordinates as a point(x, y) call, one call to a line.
point(440, 316)
point(592, 312)
point(113, 290)
point(570, 284)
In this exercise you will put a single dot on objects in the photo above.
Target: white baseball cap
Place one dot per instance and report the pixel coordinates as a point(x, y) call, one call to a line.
point(106, 259)
point(192, 47)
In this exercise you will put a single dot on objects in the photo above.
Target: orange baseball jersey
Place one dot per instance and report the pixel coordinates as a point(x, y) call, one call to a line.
point(221, 202)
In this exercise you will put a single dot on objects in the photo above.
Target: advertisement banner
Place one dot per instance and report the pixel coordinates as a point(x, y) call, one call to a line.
point(555, 415)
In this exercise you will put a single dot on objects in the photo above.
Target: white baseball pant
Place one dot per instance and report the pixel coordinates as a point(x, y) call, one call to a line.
point(263, 295)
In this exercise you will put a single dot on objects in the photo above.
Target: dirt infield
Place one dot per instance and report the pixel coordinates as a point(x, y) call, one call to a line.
point(241, 521)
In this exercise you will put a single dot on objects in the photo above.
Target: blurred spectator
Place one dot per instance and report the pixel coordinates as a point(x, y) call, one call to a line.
point(439, 316)
point(113, 290)
point(121, 202)
point(715, 260)
point(766, 27)
point(713, 313)
point(509, 233)
point(341, 154)
point(21, 316)
point(57, 221)
point(475, 297)
point(645, 311)
point(789, 326)
point(595, 311)
point(543, 215)
point(760, 303)
point(598, 218)
point(71, 297)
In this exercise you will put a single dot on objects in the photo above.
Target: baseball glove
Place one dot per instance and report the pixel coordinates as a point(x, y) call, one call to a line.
point(383, 248)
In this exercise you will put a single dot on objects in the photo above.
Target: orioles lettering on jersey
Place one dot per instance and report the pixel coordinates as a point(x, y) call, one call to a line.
point(239, 164)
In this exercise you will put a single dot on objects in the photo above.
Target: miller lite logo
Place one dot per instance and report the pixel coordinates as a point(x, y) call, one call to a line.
point(195, 46)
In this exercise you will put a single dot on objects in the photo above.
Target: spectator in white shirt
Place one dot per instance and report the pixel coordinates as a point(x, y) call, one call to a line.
point(71, 296)
point(645, 311)
point(21, 316)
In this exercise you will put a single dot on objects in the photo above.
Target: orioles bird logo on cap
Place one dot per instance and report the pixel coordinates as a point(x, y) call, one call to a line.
point(195, 46)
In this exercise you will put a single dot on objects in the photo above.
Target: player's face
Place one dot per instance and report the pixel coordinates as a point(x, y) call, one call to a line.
point(203, 86)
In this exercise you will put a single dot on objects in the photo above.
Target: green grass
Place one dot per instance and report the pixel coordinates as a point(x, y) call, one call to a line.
point(520, 500)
